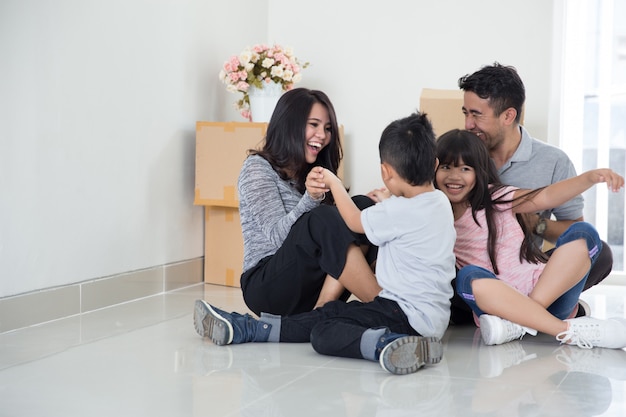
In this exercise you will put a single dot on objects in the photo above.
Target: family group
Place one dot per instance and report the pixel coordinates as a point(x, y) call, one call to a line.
point(454, 237)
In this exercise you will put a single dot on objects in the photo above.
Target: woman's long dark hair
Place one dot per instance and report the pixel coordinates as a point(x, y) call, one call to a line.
point(460, 145)
point(284, 141)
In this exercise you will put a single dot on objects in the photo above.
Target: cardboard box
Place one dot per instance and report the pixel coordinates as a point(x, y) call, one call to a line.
point(223, 246)
point(220, 150)
point(443, 109)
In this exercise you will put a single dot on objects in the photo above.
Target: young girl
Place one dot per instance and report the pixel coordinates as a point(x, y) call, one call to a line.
point(506, 281)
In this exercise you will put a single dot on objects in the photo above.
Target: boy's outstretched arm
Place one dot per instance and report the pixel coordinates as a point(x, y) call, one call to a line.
point(348, 210)
point(560, 192)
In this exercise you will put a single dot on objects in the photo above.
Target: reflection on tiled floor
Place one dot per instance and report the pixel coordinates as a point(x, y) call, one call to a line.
point(145, 359)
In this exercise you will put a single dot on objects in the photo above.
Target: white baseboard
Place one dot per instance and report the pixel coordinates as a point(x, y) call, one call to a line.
point(55, 303)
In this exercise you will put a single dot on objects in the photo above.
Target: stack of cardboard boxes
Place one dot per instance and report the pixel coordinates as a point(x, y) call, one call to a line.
point(220, 151)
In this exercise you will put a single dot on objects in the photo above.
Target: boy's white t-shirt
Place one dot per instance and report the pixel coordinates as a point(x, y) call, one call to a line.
point(415, 264)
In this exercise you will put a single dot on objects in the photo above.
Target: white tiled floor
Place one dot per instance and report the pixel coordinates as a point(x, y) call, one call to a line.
point(145, 359)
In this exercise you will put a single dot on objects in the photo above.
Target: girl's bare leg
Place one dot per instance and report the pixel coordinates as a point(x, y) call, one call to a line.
point(566, 267)
point(499, 299)
point(357, 277)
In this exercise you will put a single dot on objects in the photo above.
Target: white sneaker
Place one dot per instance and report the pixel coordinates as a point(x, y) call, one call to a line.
point(495, 330)
point(587, 332)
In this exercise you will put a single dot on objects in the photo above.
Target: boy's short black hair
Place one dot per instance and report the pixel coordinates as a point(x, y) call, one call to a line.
point(408, 145)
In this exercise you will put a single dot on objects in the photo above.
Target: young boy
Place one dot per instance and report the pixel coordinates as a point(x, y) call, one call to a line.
point(413, 226)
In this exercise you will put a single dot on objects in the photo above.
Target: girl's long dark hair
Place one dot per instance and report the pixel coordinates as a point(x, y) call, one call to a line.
point(284, 141)
point(460, 145)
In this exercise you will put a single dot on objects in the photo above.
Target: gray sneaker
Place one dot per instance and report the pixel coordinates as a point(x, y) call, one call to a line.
point(208, 322)
point(224, 328)
point(409, 353)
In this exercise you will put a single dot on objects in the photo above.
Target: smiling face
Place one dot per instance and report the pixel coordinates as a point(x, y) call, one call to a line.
point(318, 132)
point(456, 181)
point(481, 120)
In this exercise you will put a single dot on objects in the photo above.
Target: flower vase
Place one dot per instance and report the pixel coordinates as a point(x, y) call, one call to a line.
point(263, 101)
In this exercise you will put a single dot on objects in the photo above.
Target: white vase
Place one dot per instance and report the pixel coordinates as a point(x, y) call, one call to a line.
point(263, 100)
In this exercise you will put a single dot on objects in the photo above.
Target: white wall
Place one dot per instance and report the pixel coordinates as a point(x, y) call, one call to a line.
point(98, 104)
point(99, 99)
point(374, 57)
